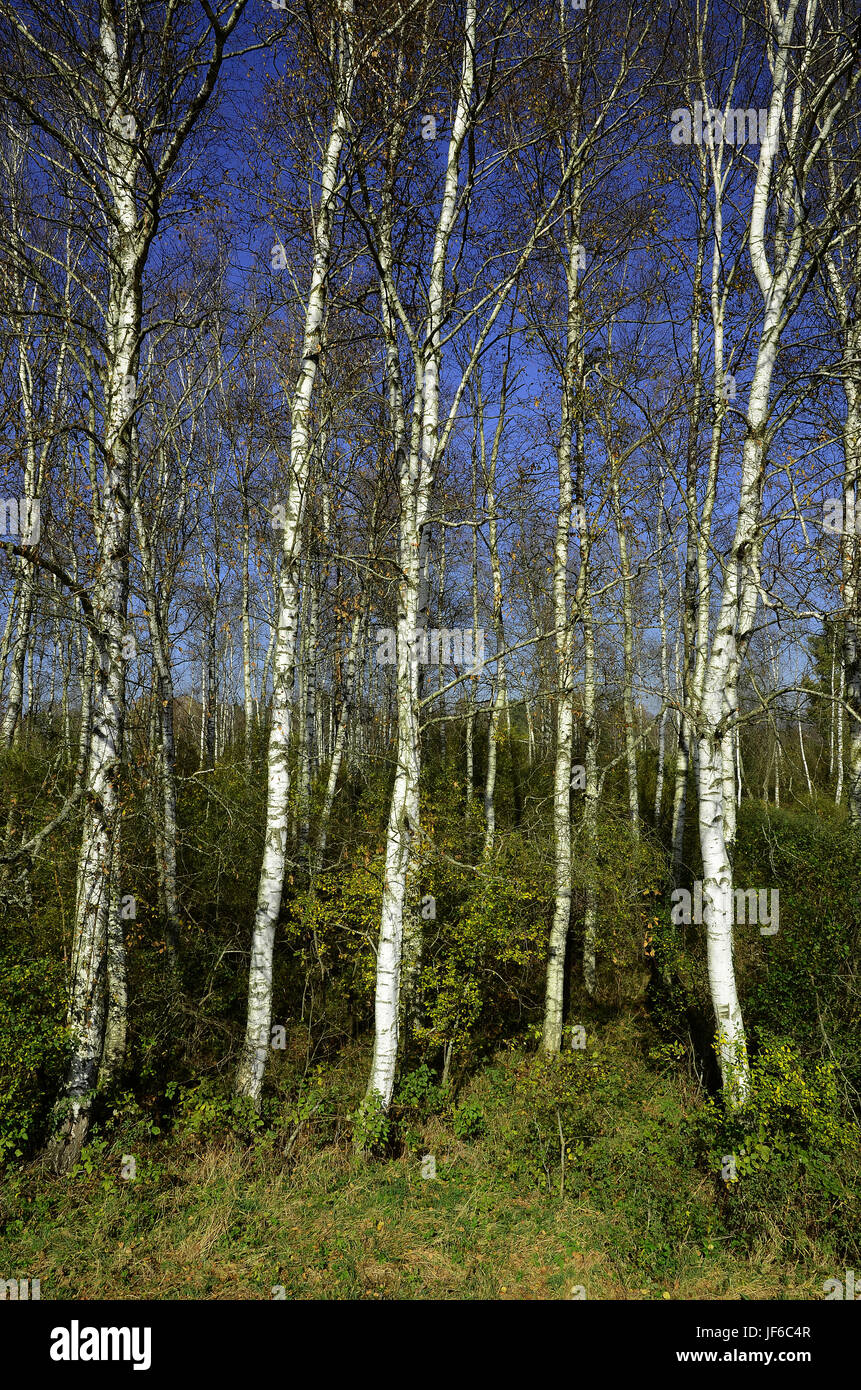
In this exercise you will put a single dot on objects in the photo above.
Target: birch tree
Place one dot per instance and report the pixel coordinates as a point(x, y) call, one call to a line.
point(342, 74)
point(780, 232)
point(107, 107)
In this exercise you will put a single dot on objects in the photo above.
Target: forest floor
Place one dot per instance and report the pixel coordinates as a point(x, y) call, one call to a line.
point(220, 1217)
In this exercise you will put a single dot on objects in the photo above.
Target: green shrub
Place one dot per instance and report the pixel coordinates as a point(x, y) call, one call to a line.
point(419, 1091)
point(469, 1121)
point(33, 1048)
point(371, 1125)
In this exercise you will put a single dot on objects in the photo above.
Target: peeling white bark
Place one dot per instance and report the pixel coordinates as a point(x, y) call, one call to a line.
point(249, 1079)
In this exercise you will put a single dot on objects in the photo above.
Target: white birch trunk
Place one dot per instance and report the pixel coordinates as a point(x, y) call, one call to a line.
point(252, 1066)
point(555, 985)
point(500, 692)
point(122, 334)
point(416, 475)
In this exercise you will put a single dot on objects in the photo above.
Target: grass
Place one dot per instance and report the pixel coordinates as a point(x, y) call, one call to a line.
point(218, 1228)
point(214, 1215)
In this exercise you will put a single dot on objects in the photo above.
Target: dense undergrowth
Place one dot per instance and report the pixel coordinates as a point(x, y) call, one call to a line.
point(612, 1170)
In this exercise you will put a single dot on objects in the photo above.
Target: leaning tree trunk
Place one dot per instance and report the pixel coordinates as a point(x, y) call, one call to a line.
point(400, 940)
point(249, 1079)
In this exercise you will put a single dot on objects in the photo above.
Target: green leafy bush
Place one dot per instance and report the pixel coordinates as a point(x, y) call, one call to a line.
point(372, 1126)
point(419, 1091)
point(469, 1121)
point(33, 1048)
